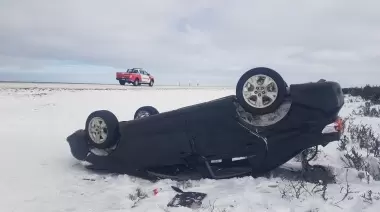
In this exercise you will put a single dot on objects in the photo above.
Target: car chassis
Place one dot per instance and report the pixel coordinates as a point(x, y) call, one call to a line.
point(223, 138)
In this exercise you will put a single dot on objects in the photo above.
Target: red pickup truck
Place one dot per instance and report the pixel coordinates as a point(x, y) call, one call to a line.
point(137, 76)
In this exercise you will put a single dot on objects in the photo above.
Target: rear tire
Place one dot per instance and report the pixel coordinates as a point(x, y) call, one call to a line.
point(102, 129)
point(145, 112)
point(122, 82)
point(261, 90)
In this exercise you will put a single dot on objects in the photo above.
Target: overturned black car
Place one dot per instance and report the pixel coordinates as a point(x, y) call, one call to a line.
point(263, 126)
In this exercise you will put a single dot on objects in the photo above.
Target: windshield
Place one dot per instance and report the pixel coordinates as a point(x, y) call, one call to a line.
point(133, 70)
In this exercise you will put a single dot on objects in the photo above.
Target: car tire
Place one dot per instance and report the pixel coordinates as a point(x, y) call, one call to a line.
point(102, 129)
point(261, 91)
point(122, 82)
point(151, 83)
point(145, 111)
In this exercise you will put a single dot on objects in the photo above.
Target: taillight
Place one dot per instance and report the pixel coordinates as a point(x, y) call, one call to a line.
point(336, 126)
point(339, 126)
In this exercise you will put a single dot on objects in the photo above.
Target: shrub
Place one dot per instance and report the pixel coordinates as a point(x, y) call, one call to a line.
point(367, 110)
point(361, 150)
point(369, 93)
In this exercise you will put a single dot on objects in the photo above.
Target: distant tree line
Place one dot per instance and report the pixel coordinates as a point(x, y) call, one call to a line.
point(369, 93)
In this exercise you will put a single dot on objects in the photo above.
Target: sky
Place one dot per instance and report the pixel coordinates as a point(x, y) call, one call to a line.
point(212, 42)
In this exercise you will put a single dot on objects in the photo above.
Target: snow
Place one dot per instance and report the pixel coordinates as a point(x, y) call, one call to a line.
point(39, 173)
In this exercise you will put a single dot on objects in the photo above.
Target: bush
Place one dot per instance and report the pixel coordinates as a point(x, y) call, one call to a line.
point(367, 110)
point(368, 93)
point(365, 137)
point(137, 196)
point(361, 150)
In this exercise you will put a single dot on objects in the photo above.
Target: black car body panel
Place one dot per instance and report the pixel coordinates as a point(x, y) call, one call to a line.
point(196, 135)
point(326, 96)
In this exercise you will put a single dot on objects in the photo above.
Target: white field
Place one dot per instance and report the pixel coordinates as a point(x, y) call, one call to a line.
point(39, 174)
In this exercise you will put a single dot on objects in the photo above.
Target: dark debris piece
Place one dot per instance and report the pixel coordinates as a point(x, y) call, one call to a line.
point(186, 199)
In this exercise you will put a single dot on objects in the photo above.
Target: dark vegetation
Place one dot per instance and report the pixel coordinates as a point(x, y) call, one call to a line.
point(361, 144)
point(371, 96)
point(368, 93)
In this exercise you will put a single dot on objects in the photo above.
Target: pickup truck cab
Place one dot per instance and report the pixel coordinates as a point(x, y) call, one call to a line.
point(136, 76)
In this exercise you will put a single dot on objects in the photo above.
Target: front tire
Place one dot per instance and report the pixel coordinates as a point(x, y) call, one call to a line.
point(145, 112)
point(260, 90)
point(136, 82)
point(151, 83)
point(102, 129)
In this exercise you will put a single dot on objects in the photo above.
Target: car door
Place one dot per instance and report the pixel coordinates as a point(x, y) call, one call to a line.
point(144, 76)
point(216, 132)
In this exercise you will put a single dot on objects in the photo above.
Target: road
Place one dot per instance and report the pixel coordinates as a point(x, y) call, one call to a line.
point(68, 86)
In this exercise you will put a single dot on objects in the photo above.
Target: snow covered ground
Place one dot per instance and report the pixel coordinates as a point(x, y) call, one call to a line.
point(39, 174)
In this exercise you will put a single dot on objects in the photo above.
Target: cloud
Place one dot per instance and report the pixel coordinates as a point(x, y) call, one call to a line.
point(210, 41)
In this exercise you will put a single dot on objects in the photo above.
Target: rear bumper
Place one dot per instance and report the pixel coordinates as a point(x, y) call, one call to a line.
point(328, 138)
point(333, 131)
point(125, 79)
point(325, 96)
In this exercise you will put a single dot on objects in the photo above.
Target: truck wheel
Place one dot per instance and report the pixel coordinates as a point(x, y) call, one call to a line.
point(102, 129)
point(145, 112)
point(136, 82)
point(122, 82)
point(260, 90)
